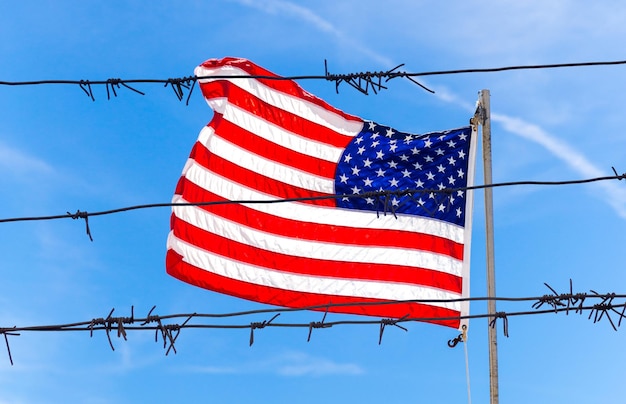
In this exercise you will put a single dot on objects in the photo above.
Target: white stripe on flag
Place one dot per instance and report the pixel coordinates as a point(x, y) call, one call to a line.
point(308, 284)
point(225, 188)
point(300, 247)
point(276, 134)
point(269, 168)
point(294, 105)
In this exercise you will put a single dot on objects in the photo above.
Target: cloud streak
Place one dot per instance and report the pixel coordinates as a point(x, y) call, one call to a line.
point(307, 15)
point(13, 160)
point(613, 194)
point(300, 364)
point(288, 364)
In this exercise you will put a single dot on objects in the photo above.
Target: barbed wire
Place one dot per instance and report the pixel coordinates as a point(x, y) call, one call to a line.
point(168, 327)
point(385, 204)
point(361, 81)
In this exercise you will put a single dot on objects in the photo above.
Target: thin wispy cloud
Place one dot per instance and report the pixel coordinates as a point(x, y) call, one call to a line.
point(216, 370)
point(613, 193)
point(308, 16)
point(20, 163)
point(301, 364)
point(132, 355)
point(289, 364)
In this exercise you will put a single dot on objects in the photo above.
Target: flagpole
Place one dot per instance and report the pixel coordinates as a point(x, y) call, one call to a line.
point(485, 120)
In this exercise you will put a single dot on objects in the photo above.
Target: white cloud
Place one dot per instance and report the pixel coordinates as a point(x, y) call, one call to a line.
point(216, 369)
point(130, 355)
point(614, 193)
point(447, 96)
point(313, 19)
point(509, 30)
point(561, 15)
point(301, 364)
point(15, 161)
point(576, 160)
point(292, 364)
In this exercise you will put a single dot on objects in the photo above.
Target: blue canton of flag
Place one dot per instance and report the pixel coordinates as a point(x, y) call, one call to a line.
point(382, 159)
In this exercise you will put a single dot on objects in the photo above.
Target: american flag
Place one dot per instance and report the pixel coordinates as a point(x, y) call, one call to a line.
point(374, 215)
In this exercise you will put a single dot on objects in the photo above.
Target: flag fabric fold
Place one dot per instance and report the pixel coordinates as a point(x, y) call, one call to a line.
point(399, 229)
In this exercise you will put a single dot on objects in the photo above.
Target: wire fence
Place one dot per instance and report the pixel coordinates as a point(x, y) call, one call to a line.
point(364, 82)
point(608, 306)
point(385, 204)
point(167, 328)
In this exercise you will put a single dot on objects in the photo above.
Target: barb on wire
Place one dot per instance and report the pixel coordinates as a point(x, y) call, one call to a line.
point(150, 318)
point(619, 177)
point(113, 83)
point(102, 322)
point(169, 332)
point(505, 322)
point(364, 81)
point(553, 300)
point(567, 300)
point(178, 84)
point(85, 85)
point(5, 333)
point(317, 324)
point(108, 323)
point(263, 324)
point(159, 328)
point(82, 215)
point(169, 328)
point(621, 316)
point(391, 74)
point(390, 321)
point(602, 309)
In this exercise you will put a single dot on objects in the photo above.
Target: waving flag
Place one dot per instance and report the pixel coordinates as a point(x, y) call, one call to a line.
point(397, 232)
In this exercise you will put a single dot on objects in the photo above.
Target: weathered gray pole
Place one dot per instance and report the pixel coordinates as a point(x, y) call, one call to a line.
point(485, 121)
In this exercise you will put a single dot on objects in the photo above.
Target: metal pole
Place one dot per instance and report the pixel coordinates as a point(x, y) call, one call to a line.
point(485, 119)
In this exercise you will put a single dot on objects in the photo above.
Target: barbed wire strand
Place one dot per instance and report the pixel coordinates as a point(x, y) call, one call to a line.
point(361, 81)
point(387, 206)
point(169, 332)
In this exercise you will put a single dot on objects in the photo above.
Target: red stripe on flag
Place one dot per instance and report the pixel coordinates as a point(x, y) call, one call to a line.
point(271, 151)
point(284, 86)
point(311, 266)
point(177, 267)
point(274, 115)
point(253, 180)
point(320, 232)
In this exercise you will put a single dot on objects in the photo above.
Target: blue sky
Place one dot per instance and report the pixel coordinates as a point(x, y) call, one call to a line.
point(60, 152)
